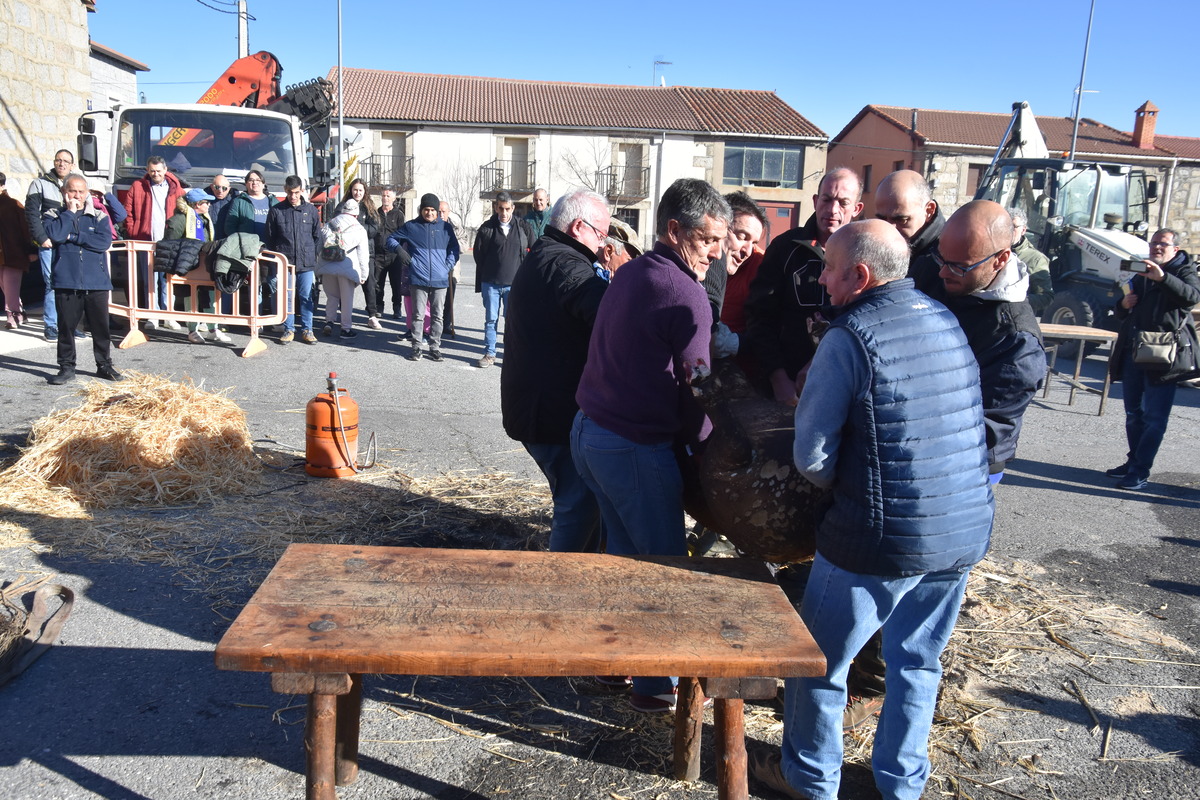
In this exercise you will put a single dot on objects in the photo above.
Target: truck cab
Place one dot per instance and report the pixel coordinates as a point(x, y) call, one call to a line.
point(198, 142)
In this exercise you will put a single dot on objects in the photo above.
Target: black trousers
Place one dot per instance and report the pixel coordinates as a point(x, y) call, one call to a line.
point(448, 309)
point(385, 273)
point(76, 305)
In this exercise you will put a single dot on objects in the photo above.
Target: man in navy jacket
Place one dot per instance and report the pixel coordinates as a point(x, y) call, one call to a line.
point(434, 249)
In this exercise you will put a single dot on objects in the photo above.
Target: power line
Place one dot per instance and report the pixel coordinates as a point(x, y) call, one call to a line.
point(223, 10)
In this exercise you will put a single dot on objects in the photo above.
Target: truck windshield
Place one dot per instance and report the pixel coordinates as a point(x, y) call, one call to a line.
point(198, 144)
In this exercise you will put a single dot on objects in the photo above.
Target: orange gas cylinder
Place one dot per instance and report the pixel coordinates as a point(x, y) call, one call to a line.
point(332, 433)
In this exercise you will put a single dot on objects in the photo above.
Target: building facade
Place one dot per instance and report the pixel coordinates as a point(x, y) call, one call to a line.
point(468, 138)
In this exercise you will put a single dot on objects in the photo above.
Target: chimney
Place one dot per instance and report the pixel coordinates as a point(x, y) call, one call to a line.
point(1143, 126)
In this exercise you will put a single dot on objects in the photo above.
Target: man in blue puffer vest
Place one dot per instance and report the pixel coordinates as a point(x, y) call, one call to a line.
point(891, 418)
point(434, 249)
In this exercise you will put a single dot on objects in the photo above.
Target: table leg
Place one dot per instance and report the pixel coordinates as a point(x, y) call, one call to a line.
point(349, 712)
point(730, 746)
point(1078, 370)
point(319, 735)
point(689, 722)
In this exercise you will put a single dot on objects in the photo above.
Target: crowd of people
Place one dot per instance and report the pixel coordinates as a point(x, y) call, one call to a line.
point(908, 346)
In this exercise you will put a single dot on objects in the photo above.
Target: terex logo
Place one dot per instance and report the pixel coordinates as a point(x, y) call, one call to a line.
point(1095, 251)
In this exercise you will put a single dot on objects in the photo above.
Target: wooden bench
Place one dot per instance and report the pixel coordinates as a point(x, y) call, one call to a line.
point(328, 614)
point(1083, 335)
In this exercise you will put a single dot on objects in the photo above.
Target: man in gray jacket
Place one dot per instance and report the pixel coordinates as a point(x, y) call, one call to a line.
point(45, 193)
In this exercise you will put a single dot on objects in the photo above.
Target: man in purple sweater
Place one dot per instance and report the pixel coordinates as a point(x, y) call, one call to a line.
point(635, 403)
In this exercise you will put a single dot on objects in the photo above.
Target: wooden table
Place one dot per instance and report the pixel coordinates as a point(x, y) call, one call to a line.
point(328, 614)
point(1083, 335)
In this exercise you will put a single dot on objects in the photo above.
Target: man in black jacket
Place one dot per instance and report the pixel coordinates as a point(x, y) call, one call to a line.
point(294, 229)
point(551, 308)
point(904, 200)
point(500, 246)
point(389, 266)
point(785, 299)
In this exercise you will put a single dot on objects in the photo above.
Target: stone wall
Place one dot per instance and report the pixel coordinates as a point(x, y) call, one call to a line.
point(1184, 212)
point(45, 83)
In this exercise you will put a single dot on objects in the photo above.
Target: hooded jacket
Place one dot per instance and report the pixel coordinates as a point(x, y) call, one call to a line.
point(81, 240)
point(434, 250)
point(1162, 306)
point(356, 265)
point(139, 205)
point(1005, 337)
point(233, 260)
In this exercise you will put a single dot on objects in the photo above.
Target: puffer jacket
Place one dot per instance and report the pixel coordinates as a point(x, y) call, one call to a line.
point(356, 265)
point(234, 258)
point(45, 193)
point(434, 250)
point(1162, 306)
point(138, 204)
point(81, 240)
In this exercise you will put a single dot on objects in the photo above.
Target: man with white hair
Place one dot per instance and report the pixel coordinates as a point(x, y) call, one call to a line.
point(551, 309)
point(1041, 288)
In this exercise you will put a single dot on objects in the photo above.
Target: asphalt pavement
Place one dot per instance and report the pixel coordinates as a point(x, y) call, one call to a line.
point(128, 705)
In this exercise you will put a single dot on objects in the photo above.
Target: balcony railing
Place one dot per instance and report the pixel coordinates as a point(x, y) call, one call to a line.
point(394, 171)
point(507, 176)
point(624, 184)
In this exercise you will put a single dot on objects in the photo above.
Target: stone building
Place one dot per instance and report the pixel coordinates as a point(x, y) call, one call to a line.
point(953, 149)
point(114, 81)
point(466, 138)
point(45, 83)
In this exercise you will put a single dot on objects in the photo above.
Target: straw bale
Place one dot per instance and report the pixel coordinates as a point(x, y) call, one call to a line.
point(144, 441)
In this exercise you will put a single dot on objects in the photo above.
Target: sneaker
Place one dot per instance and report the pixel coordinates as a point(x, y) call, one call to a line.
point(435, 355)
point(414, 355)
point(195, 337)
point(374, 324)
point(653, 703)
point(108, 373)
point(307, 337)
point(615, 681)
point(347, 333)
point(327, 330)
point(64, 375)
point(172, 325)
point(80, 334)
point(1118, 472)
point(1132, 483)
point(767, 768)
point(50, 334)
point(149, 324)
point(486, 361)
point(219, 335)
point(860, 710)
point(286, 337)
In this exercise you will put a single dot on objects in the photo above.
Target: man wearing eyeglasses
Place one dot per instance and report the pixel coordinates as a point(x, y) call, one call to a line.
point(785, 299)
point(985, 286)
point(904, 200)
point(552, 306)
point(46, 194)
point(218, 209)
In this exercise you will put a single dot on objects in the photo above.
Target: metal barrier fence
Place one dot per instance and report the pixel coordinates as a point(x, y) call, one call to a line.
point(131, 265)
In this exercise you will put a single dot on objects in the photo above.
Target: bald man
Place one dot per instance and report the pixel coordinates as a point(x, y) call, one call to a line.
point(985, 286)
point(896, 432)
point(785, 299)
point(904, 200)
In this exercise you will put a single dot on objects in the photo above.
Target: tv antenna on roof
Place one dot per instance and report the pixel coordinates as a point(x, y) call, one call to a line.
point(654, 72)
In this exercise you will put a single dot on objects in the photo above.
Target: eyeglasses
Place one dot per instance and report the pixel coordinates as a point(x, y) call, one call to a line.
point(958, 269)
point(602, 234)
point(220, 188)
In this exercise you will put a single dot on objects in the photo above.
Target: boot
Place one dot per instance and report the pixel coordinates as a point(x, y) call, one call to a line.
point(65, 375)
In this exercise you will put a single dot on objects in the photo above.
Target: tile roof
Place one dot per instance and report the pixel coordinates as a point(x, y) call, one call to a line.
point(984, 129)
point(1186, 147)
point(417, 97)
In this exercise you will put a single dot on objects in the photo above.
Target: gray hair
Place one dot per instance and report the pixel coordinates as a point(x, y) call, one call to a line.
point(888, 260)
point(688, 201)
point(617, 245)
point(843, 172)
point(503, 197)
point(578, 204)
point(1174, 235)
point(1019, 218)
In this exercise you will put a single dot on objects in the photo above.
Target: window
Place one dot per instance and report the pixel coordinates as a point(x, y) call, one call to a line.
point(756, 164)
point(974, 176)
point(866, 177)
point(897, 165)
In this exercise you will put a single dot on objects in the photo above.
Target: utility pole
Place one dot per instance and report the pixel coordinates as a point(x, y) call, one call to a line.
point(1087, 43)
point(341, 145)
point(243, 30)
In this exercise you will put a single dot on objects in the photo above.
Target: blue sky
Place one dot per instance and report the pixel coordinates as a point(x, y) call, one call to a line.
point(827, 61)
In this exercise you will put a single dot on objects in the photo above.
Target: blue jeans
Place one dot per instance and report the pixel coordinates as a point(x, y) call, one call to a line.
point(575, 527)
point(495, 295)
point(1147, 410)
point(304, 294)
point(842, 611)
point(640, 492)
point(49, 309)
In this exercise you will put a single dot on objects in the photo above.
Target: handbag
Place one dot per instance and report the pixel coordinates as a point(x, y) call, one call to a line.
point(1155, 349)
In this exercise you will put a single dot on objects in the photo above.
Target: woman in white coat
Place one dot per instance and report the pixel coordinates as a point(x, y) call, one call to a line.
point(341, 276)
